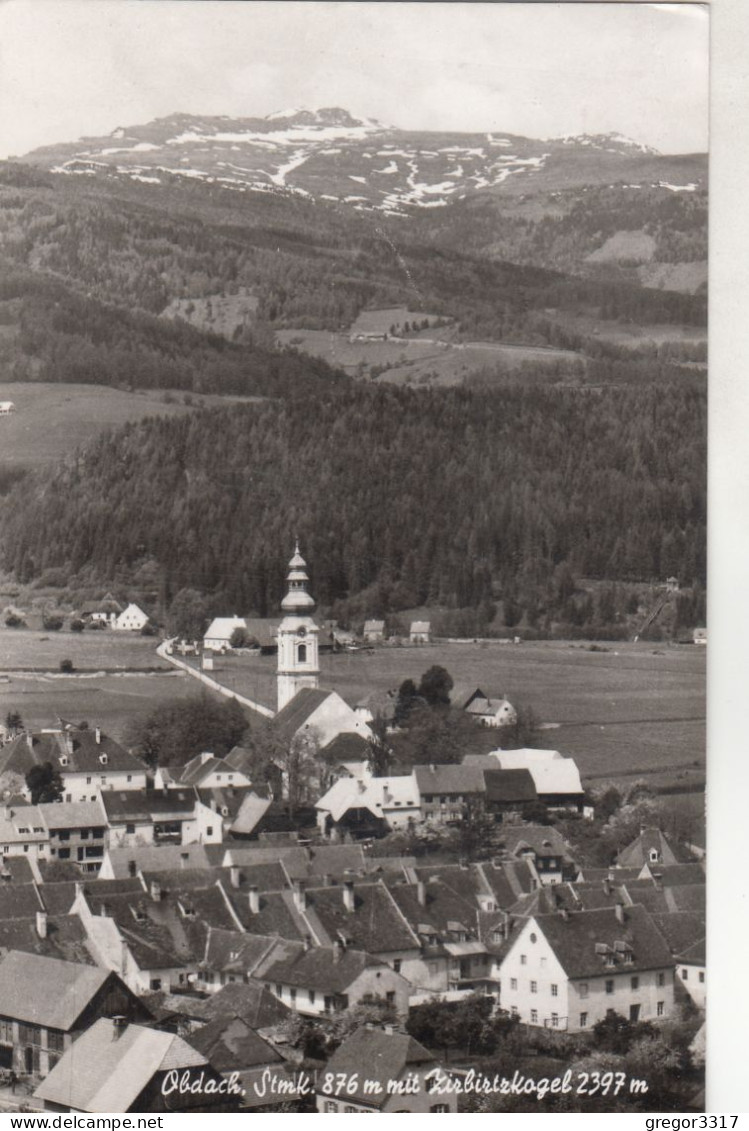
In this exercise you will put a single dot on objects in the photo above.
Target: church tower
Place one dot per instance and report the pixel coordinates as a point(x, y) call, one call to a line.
point(298, 665)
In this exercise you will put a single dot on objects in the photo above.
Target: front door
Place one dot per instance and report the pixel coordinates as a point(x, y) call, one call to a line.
point(634, 1013)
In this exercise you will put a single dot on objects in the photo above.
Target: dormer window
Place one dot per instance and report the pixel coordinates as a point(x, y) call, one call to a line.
point(225, 811)
point(63, 759)
point(138, 914)
point(103, 758)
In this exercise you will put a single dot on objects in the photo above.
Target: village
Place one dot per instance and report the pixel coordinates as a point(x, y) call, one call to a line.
point(316, 907)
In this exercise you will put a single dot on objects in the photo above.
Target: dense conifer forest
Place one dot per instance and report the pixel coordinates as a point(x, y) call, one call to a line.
point(400, 498)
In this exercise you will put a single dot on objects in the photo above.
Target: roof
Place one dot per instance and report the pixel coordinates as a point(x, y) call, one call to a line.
point(544, 840)
point(374, 625)
point(18, 901)
point(104, 1072)
point(228, 797)
point(509, 786)
point(346, 747)
point(198, 768)
point(230, 1045)
point(47, 991)
point(221, 628)
point(378, 795)
point(73, 814)
point(682, 930)
point(442, 912)
point(638, 851)
point(163, 857)
point(375, 925)
point(251, 812)
point(147, 804)
point(386, 1056)
point(235, 951)
point(65, 938)
point(276, 914)
point(319, 968)
point(262, 629)
point(17, 868)
point(575, 940)
point(79, 747)
point(58, 898)
point(449, 779)
point(21, 823)
point(552, 774)
point(524, 757)
point(298, 711)
point(508, 880)
point(250, 1001)
point(420, 626)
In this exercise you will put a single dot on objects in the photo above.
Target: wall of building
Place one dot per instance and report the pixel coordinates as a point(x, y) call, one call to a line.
point(692, 979)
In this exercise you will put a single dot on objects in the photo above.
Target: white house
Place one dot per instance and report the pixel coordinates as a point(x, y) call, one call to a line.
point(131, 619)
point(6, 408)
point(420, 632)
point(89, 761)
point(351, 801)
point(219, 632)
point(556, 778)
point(569, 970)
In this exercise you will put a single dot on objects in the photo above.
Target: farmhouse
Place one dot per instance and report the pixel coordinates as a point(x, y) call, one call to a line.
point(557, 779)
point(420, 632)
point(219, 633)
point(568, 970)
point(444, 790)
point(77, 832)
point(6, 408)
point(367, 806)
point(374, 631)
point(131, 619)
point(169, 816)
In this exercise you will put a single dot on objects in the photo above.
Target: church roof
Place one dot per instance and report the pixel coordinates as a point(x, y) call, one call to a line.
point(291, 718)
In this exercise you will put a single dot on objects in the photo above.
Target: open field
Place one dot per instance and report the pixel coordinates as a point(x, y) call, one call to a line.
point(50, 420)
point(638, 710)
point(405, 361)
point(25, 650)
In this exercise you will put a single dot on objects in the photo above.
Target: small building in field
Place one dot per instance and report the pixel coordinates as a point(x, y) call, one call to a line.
point(6, 408)
point(699, 636)
point(420, 632)
point(374, 631)
point(390, 1073)
point(219, 633)
point(131, 619)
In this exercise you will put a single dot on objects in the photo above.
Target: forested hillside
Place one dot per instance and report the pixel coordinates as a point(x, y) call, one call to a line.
point(399, 498)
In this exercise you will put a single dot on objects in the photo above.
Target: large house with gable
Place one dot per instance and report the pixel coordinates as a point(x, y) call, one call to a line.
point(88, 761)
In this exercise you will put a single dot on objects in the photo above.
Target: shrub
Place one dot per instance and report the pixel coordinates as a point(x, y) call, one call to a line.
point(67, 666)
point(52, 623)
point(77, 625)
point(12, 620)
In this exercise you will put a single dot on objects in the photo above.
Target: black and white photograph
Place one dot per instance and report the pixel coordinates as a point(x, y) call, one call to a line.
point(353, 557)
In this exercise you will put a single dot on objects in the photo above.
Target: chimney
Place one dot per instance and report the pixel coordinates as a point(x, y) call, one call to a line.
point(29, 740)
point(156, 891)
point(205, 757)
point(619, 911)
point(307, 943)
point(564, 913)
point(119, 1025)
point(41, 924)
point(103, 909)
point(213, 803)
point(300, 896)
point(421, 893)
point(97, 735)
point(338, 949)
point(348, 895)
point(235, 876)
point(78, 889)
point(325, 880)
point(254, 898)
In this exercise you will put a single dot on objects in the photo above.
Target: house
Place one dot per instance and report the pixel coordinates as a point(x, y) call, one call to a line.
point(684, 931)
point(444, 790)
point(122, 1067)
point(544, 847)
point(390, 1072)
point(58, 936)
point(699, 636)
point(219, 633)
point(257, 1007)
point(45, 1004)
point(378, 705)
point(205, 771)
point(104, 611)
point(367, 806)
point(490, 712)
point(131, 619)
point(556, 778)
point(166, 816)
point(420, 632)
point(243, 1057)
point(653, 847)
point(121, 863)
point(88, 760)
point(374, 631)
point(6, 408)
point(326, 980)
point(316, 717)
point(77, 831)
point(569, 970)
point(509, 791)
point(23, 832)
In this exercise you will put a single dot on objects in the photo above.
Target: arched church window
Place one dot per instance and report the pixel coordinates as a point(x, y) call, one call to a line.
point(302, 654)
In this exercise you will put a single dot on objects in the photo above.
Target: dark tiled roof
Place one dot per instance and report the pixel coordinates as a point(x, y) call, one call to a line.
point(259, 1008)
point(444, 910)
point(65, 938)
point(638, 852)
point(386, 1056)
point(449, 779)
point(335, 859)
point(230, 1045)
point(681, 929)
point(47, 991)
point(229, 798)
point(147, 804)
point(19, 902)
point(295, 714)
point(676, 875)
point(508, 880)
point(84, 757)
point(318, 968)
point(18, 868)
point(616, 875)
point(509, 786)
point(346, 747)
point(58, 898)
point(465, 880)
point(693, 955)
point(545, 840)
point(573, 940)
point(375, 925)
point(277, 914)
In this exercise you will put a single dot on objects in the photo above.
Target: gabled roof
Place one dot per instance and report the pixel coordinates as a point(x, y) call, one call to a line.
point(544, 840)
point(231, 1045)
point(638, 851)
point(552, 774)
point(250, 1001)
point(276, 914)
point(448, 779)
point(65, 938)
point(250, 814)
point(319, 968)
point(682, 930)
point(298, 711)
point(19, 901)
point(163, 857)
point(375, 925)
point(229, 798)
point(443, 909)
point(58, 897)
point(106, 1070)
point(374, 625)
point(378, 795)
point(221, 628)
point(576, 941)
point(345, 747)
point(387, 1056)
point(17, 868)
point(509, 786)
point(72, 814)
point(55, 746)
point(122, 805)
point(197, 770)
point(47, 991)
point(235, 951)
point(508, 880)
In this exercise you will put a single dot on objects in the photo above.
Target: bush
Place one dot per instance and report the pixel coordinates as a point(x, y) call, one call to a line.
point(52, 623)
point(12, 620)
point(149, 629)
point(67, 666)
point(77, 625)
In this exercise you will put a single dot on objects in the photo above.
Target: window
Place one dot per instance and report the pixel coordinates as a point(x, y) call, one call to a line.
point(64, 834)
point(312, 997)
point(533, 938)
point(660, 1008)
point(301, 654)
point(390, 997)
point(88, 781)
point(534, 987)
point(555, 1020)
point(523, 960)
point(331, 1106)
point(514, 1011)
point(348, 1107)
point(55, 1040)
point(543, 962)
point(209, 830)
point(84, 834)
point(155, 983)
point(130, 829)
point(293, 995)
point(6, 1031)
point(609, 985)
point(513, 983)
point(129, 777)
point(279, 990)
point(661, 979)
point(64, 854)
point(554, 989)
point(583, 1021)
point(534, 1017)
point(685, 974)
point(634, 983)
point(702, 976)
point(397, 965)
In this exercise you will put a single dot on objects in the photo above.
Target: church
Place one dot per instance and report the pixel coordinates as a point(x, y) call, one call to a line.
point(304, 708)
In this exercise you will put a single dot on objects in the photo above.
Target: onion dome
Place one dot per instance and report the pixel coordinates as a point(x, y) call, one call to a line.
point(297, 599)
